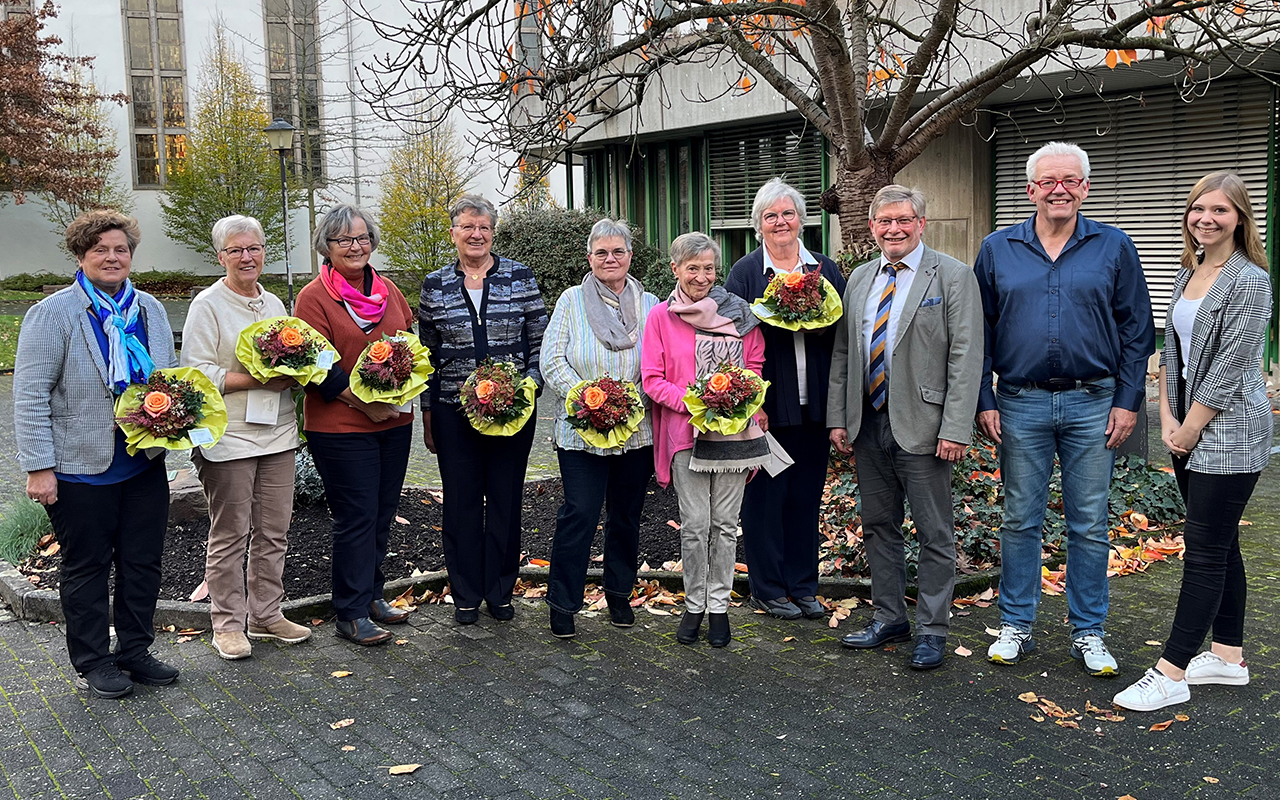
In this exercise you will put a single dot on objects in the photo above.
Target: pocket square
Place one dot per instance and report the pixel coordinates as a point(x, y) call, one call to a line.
point(930, 301)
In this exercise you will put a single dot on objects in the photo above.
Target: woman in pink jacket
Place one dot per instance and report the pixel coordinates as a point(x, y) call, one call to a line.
point(698, 328)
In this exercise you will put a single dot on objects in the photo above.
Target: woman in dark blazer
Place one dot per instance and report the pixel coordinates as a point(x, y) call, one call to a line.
point(79, 349)
point(780, 514)
point(1216, 420)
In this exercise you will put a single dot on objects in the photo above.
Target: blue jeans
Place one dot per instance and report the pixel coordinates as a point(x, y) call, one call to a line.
point(1035, 424)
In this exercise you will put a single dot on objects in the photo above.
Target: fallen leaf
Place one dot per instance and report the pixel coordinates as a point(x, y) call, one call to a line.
point(342, 723)
point(992, 632)
point(1154, 642)
point(347, 748)
point(184, 639)
point(740, 567)
point(1028, 697)
point(963, 651)
point(1037, 718)
point(833, 622)
point(340, 673)
point(315, 623)
point(402, 520)
point(436, 495)
point(403, 769)
point(673, 524)
point(539, 562)
point(783, 736)
point(1066, 723)
point(1181, 717)
point(1208, 779)
point(789, 639)
point(1127, 797)
point(190, 632)
point(1160, 726)
point(52, 549)
point(402, 641)
point(660, 612)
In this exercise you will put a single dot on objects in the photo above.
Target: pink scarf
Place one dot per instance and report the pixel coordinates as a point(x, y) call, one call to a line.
point(703, 315)
point(365, 311)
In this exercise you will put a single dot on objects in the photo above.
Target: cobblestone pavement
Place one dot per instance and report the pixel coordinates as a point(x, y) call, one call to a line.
point(502, 710)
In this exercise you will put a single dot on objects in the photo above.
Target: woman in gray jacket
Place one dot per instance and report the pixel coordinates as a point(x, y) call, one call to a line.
point(1216, 420)
point(79, 349)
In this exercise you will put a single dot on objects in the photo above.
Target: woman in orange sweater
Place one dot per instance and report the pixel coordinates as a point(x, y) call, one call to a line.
point(361, 450)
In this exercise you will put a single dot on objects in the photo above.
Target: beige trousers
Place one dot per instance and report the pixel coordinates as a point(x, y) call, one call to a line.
point(709, 505)
point(250, 506)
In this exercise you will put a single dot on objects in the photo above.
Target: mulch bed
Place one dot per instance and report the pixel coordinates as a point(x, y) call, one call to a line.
point(415, 545)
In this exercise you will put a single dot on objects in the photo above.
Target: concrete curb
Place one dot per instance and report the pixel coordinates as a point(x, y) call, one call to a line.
point(44, 605)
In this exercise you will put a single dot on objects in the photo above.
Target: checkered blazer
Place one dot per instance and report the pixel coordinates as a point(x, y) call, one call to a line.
point(63, 407)
point(1224, 369)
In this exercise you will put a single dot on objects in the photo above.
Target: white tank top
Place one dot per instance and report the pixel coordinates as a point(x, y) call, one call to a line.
point(1184, 319)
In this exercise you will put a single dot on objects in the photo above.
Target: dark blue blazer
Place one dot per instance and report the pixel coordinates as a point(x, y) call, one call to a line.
point(782, 403)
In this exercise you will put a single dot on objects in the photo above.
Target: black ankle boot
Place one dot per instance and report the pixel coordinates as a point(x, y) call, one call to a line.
point(562, 626)
point(620, 613)
point(718, 630)
point(690, 624)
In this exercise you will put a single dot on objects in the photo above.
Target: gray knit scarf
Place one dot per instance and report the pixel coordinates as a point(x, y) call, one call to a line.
point(614, 319)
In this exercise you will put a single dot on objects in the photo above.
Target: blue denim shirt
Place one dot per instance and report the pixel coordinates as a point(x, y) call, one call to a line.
point(1086, 315)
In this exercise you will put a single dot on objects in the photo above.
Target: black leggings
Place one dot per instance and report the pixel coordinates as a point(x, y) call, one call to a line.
point(1213, 584)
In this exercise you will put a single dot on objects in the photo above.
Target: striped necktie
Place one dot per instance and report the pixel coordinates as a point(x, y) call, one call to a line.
point(878, 388)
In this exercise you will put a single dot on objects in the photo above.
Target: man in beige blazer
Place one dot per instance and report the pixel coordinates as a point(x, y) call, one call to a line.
point(904, 386)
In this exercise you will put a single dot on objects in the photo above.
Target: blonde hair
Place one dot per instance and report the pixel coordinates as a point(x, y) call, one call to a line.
point(1247, 237)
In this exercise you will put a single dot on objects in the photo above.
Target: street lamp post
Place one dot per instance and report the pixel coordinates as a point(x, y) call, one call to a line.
point(280, 138)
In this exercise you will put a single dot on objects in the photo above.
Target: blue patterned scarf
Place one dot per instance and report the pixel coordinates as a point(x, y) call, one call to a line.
point(127, 359)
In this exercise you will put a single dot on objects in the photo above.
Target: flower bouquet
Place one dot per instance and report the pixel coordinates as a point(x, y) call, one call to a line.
point(799, 301)
point(176, 409)
point(392, 370)
point(724, 401)
point(605, 412)
point(285, 346)
point(496, 399)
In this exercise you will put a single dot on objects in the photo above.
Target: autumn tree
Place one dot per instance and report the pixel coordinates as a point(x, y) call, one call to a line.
point(426, 173)
point(880, 81)
point(41, 129)
point(533, 190)
point(228, 169)
point(105, 187)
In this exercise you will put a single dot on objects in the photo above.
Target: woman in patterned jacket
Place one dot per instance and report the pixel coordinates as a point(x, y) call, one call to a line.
point(1216, 420)
point(479, 306)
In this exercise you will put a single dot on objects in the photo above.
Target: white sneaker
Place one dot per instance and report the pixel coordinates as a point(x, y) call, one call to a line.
point(1153, 691)
point(1211, 668)
point(1010, 646)
point(1096, 657)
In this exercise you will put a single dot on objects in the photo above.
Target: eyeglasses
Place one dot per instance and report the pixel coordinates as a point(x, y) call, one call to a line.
point(254, 250)
point(603, 255)
point(1068, 184)
point(771, 217)
point(484, 230)
point(347, 241)
point(885, 222)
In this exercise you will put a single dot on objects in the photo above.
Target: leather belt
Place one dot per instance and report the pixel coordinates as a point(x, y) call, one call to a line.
point(1063, 384)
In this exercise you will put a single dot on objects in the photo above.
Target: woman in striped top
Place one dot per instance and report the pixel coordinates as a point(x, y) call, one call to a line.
point(596, 331)
point(479, 306)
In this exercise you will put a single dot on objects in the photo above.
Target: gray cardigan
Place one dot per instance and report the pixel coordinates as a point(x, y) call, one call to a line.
point(63, 407)
point(1224, 370)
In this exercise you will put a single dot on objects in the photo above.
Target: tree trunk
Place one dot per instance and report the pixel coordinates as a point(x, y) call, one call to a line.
point(850, 198)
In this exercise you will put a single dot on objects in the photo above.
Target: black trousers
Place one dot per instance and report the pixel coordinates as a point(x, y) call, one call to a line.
point(363, 474)
point(1213, 585)
point(780, 517)
point(483, 480)
point(617, 482)
point(119, 524)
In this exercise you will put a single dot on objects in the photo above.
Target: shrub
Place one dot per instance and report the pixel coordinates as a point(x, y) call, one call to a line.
point(23, 524)
point(553, 243)
point(308, 489)
point(26, 282)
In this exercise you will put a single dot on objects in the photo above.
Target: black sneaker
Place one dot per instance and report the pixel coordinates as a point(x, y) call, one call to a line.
point(562, 626)
point(105, 681)
point(620, 613)
point(149, 670)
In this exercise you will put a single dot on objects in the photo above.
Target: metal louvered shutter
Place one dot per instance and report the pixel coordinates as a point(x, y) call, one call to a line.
point(1146, 153)
point(741, 159)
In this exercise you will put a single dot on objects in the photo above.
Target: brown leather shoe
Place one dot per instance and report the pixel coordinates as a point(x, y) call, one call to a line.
point(384, 613)
point(362, 631)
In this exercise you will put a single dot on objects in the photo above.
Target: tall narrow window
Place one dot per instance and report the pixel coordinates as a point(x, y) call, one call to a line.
point(158, 89)
point(293, 74)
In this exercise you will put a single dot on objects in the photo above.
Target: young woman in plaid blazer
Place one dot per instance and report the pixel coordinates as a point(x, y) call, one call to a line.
point(1216, 420)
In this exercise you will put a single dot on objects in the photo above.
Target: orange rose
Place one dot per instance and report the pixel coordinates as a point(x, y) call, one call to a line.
point(719, 382)
point(290, 337)
point(156, 403)
point(793, 279)
point(594, 397)
point(484, 390)
point(379, 352)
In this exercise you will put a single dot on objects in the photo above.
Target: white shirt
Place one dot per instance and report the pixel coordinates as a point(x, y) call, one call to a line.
point(477, 295)
point(802, 370)
point(1184, 319)
point(902, 285)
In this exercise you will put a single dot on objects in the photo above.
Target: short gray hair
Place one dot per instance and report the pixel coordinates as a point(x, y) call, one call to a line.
point(1058, 149)
point(691, 245)
point(337, 222)
point(893, 194)
point(235, 225)
point(771, 192)
point(475, 204)
point(608, 229)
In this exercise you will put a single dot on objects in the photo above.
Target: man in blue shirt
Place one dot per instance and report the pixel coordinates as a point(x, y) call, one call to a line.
point(1069, 331)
